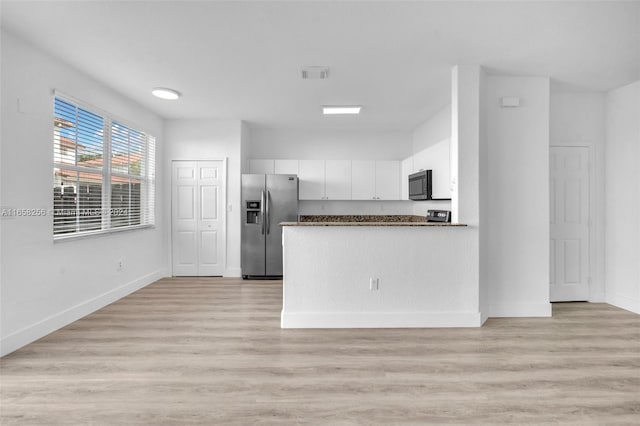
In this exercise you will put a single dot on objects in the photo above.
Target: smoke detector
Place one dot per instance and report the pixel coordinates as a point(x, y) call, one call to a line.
point(314, 73)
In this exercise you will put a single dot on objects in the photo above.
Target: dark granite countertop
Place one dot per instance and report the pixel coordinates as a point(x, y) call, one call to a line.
point(365, 220)
point(362, 218)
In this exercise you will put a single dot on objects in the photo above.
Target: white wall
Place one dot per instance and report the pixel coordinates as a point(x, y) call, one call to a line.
point(327, 144)
point(434, 135)
point(623, 197)
point(433, 130)
point(578, 119)
point(210, 139)
point(483, 200)
point(518, 197)
point(1, 193)
point(46, 285)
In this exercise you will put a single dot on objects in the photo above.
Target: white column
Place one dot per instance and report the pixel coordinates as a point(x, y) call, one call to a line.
point(465, 137)
point(465, 165)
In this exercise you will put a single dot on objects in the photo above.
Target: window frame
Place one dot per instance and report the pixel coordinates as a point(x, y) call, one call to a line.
point(148, 179)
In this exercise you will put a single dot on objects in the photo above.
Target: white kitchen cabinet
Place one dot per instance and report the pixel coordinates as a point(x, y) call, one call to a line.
point(311, 178)
point(261, 166)
point(375, 180)
point(363, 180)
point(406, 168)
point(325, 180)
point(286, 167)
point(387, 180)
point(337, 179)
point(283, 167)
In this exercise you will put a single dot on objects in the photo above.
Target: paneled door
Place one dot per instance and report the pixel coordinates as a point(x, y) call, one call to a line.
point(198, 218)
point(569, 228)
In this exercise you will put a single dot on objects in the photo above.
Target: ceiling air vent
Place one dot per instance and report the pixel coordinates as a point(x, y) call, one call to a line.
point(315, 73)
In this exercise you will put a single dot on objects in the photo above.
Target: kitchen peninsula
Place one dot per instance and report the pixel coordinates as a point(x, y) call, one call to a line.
point(378, 271)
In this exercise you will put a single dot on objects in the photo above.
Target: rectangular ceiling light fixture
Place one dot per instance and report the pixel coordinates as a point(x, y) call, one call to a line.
point(333, 110)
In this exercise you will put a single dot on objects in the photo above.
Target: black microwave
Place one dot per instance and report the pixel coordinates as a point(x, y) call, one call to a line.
point(420, 185)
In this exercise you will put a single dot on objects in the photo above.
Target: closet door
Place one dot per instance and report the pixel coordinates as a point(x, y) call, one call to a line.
point(197, 218)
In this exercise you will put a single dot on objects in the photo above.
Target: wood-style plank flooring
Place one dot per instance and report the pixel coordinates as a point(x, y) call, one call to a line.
point(211, 352)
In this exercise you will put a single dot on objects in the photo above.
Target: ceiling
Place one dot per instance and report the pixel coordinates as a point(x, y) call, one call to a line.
point(242, 60)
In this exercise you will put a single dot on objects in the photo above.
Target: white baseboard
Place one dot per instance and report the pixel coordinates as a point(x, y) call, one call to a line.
point(54, 322)
point(624, 302)
point(378, 319)
point(510, 309)
point(233, 272)
point(483, 317)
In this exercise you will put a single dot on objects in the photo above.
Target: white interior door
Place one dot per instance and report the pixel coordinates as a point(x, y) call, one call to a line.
point(197, 216)
point(569, 228)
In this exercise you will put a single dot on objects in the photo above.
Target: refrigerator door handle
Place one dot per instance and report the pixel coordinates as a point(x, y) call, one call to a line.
point(262, 215)
point(268, 218)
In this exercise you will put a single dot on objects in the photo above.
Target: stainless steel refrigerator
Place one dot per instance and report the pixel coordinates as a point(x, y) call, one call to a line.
point(267, 200)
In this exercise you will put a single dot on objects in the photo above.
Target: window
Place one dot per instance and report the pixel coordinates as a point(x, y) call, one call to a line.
point(91, 195)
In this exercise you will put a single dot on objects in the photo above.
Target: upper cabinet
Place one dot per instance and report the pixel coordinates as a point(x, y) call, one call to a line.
point(269, 167)
point(375, 180)
point(339, 179)
point(387, 180)
point(311, 178)
point(363, 180)
point(285, 167)
point(325, 180)
point(260, 167)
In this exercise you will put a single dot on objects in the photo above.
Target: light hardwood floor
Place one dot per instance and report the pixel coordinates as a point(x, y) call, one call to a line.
point(210, 351)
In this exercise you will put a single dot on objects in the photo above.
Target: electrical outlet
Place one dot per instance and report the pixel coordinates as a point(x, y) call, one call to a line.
point(374, 284)
point(119, 265)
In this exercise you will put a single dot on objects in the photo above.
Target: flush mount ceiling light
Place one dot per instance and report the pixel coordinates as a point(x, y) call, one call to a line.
point(343, 109)
point(165, 93)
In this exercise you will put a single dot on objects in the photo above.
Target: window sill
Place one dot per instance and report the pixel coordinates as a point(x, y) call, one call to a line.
point(91, 234)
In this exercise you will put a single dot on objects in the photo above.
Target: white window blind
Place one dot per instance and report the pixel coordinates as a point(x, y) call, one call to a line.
point(91, 195)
